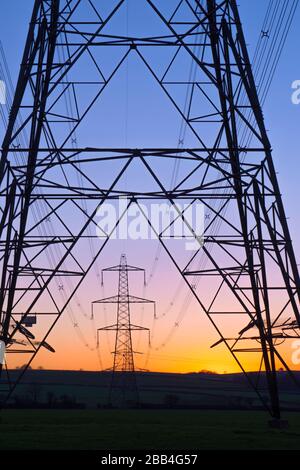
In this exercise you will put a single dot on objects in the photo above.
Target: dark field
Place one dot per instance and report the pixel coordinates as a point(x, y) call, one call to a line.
point(205, 411)
point(144, 429)
point(46, 388)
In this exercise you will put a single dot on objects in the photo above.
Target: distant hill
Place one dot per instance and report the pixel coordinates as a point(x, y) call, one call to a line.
point(192, 390)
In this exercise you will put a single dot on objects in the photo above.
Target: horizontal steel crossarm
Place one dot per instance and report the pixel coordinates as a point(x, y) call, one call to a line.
point(117, 299)
point(121, 327)
point(155, 151)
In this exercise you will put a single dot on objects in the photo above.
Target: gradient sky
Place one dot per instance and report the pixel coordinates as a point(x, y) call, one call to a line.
point(187, 349)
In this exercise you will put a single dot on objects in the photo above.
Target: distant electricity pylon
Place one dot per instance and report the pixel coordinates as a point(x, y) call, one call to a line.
point(123, 389)
point(55, 174)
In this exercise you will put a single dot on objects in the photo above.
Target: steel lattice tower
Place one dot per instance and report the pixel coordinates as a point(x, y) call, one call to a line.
point(123, 388)
point(247, 265)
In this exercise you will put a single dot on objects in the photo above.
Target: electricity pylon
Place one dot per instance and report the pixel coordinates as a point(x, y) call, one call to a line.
point(123, 389)
point(52, 187)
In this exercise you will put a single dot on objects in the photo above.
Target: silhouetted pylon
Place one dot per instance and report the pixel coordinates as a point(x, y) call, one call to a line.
point(250, 284)
point(123, 389)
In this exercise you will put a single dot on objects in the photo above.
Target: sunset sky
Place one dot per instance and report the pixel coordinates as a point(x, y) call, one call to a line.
point(181, 336)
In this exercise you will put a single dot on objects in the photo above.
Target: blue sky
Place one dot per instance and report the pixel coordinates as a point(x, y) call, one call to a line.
point(281, 116)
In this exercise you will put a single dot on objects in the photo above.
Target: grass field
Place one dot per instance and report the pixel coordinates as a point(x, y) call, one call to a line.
point(144, 429)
